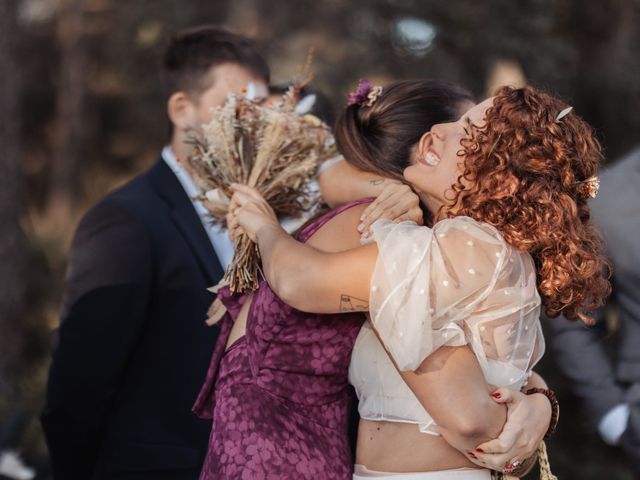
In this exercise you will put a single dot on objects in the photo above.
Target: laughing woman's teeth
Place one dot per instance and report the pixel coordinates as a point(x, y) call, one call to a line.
point(431, 159)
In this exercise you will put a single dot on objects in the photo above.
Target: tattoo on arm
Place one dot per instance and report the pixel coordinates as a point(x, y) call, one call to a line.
point(376, 181)
point(352, 304)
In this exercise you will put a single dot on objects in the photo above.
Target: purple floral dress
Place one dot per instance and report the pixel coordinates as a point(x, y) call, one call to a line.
point(279, 397)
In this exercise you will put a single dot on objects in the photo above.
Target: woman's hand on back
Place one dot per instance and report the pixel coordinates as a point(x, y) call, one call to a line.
point(396, 202)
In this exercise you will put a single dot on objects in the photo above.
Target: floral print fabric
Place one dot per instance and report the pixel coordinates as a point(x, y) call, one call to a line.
point(279, 397)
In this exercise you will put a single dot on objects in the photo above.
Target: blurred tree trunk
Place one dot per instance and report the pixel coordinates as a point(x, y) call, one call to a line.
point(69, 116)
point(12, 242)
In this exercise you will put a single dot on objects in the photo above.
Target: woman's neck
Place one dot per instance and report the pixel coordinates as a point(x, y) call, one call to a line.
point(433, 204)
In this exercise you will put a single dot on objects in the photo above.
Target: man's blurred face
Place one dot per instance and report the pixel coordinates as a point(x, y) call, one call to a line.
point(228, 78)
point(188, 112)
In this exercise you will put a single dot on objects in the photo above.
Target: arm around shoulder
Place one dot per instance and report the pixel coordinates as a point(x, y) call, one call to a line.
point(314, 281)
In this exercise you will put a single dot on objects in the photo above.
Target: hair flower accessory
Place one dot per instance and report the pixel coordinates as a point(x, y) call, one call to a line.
point(589, 188)
point(365, 95)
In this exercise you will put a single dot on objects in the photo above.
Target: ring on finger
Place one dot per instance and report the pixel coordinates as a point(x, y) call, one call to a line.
point(510, 467)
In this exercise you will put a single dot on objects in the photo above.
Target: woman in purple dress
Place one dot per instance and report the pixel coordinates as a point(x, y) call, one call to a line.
point(279, 394)
point(277, 387)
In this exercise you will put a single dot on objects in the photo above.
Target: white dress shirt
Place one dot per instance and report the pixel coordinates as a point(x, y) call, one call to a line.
point(218, 236)
point(614, 423)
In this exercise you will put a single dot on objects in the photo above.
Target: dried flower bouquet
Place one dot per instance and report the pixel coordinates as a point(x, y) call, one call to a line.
point(269, 147)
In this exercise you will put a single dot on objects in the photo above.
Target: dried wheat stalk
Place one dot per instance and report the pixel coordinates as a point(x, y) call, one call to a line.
point(271, 148)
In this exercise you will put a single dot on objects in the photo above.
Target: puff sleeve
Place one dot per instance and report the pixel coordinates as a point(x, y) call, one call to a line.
point(458, 283)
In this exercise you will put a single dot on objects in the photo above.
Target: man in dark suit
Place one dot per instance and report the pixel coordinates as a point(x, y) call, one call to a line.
point(610, 387)
point(133, 346)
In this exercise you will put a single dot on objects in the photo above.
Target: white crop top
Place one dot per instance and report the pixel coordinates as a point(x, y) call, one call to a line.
point(458, 283)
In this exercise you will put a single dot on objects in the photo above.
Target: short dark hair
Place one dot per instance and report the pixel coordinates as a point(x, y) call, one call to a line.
point(192, 53)
point(379, 138)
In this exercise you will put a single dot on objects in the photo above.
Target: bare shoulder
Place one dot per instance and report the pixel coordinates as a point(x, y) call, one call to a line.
point(341, 232)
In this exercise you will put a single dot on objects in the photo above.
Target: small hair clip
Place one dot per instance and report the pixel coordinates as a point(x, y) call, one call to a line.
point(365, 94)
point(589, 188)
point(563, 114)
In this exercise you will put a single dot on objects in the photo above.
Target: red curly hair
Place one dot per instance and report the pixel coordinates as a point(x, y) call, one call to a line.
point(521, 173)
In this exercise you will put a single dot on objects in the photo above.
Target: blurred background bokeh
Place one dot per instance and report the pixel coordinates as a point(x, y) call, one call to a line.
point(81, 112)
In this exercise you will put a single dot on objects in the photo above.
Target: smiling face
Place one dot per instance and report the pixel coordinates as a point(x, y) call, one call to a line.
point(435, 163)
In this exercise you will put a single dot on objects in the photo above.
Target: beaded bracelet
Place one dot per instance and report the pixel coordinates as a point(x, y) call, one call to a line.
point(555, 408)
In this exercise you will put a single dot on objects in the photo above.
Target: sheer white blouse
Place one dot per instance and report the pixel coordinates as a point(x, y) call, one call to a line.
point(458, 283)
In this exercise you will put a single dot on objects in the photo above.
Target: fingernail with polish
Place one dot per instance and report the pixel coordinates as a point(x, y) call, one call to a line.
point(479, 450)
point(496, 395)
point(471, 454)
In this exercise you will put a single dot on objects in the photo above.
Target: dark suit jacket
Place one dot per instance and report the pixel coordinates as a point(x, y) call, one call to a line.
point(133, 347)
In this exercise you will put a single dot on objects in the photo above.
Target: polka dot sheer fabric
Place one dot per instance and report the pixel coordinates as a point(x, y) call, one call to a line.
point(458, 283)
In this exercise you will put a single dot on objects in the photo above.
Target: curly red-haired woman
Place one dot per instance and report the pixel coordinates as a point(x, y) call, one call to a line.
point(456, 303)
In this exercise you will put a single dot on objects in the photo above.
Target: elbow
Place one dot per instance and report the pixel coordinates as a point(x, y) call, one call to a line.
point(472, 428)
point(284, 288)
point(292, 290)
point(293, 280)
point(479, 424)
point(277, 278)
